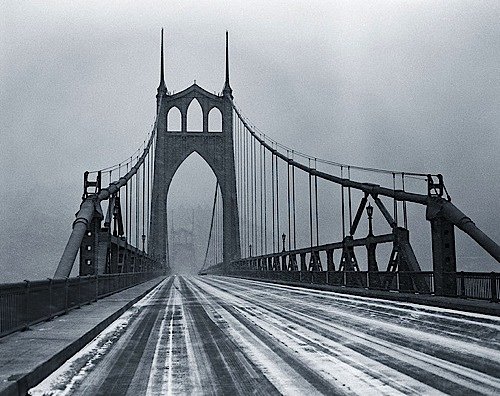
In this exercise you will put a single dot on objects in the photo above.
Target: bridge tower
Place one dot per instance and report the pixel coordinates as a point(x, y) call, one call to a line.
point(173, 147)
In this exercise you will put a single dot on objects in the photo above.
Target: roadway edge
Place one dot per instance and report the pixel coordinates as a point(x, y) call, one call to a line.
point(21, 385)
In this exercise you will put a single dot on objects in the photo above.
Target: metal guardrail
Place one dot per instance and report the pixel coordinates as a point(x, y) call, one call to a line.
point(475, 285)
point(480, 285)
point(26, 303)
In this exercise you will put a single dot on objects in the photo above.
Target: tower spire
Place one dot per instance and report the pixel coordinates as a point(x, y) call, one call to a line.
point(227, 87)
point(162, 85)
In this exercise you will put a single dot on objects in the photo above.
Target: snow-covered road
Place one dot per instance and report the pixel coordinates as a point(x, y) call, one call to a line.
point(214, 335)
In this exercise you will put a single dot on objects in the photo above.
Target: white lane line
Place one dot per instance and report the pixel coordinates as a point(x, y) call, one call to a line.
point(157, 367)
point(168, 383)
point(168, 386)
point(194, 368)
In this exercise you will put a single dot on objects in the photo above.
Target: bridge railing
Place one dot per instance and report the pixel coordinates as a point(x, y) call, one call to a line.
point(26, 303)
point(474, 285)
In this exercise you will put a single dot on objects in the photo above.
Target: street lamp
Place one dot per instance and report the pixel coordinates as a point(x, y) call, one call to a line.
point(369, 211)
point(283, 237)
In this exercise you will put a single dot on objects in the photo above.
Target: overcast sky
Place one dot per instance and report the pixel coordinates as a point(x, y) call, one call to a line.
point(409, 85)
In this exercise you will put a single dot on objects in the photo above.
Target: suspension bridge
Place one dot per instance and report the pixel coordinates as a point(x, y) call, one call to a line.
point(310, 282)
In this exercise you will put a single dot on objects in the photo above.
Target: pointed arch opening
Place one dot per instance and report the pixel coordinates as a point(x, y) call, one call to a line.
point(189, 212)
point(174, 120)
point(195, 117)
point(215, 120)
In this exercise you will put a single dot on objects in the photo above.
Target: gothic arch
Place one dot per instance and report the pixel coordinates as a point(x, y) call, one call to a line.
point(216, 149)
point(194, 116)
point(215, 120)
point(174, 120)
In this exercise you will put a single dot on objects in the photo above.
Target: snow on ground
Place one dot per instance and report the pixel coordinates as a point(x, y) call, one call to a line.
point(296, 340)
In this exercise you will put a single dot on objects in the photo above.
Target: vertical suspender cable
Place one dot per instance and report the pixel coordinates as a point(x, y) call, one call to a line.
point(147, 195)
point(255, 196)
point(265, 203)
point(343, 203)
point(288, 204)
point(395, 201)
point(277, 205)
point(137, 207)
point(214, 242)
point(252, 190)
point(293, 212)
point(247, 194)
point(127, 236)
point(143, 206)
point(273, 206)
point(316, 203)
point(221, 231)
point(211, 225)
point(261, 179)
point(405, 215)
point(130, 203)
point(244, 169)
point(238, 176)
point(310, 207)
point(349, 197)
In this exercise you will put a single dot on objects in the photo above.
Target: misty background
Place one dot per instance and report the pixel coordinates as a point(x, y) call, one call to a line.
point(405, 85)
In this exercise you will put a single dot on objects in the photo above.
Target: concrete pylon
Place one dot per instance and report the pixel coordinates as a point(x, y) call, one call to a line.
point(173, 147)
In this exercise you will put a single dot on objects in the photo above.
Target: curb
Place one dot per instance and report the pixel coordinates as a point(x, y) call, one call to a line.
point(21, 385)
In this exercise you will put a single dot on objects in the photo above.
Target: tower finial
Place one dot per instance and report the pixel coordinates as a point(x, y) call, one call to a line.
point(162, 75)
point(227, 87)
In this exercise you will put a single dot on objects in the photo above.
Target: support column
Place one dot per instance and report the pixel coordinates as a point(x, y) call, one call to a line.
point(444, 259)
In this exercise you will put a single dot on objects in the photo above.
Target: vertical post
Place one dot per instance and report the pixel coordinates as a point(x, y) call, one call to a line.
point(494, 291)
point(79, 305)
point(26, 318)
point(303, 266)
point(66, 295)
point(50, 299)
point(329, 260)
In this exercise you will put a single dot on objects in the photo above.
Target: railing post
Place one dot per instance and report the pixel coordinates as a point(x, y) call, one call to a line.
point(462, 284)
point(26, 305)
point(79, 305)
point(494, 291)
point(50, 299)
point(66, 291)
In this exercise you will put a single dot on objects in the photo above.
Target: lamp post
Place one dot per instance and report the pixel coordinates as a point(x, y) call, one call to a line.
point(371, 246)
point(369, 211)
point(283, 237)
point(250, 249)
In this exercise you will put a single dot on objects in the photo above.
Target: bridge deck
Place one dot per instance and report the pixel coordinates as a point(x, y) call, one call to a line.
point(231, 336)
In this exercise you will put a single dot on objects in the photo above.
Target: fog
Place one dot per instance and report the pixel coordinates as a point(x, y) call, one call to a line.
point(406, 85)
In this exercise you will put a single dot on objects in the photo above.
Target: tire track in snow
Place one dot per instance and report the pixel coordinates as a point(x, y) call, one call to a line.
point(428, 365)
